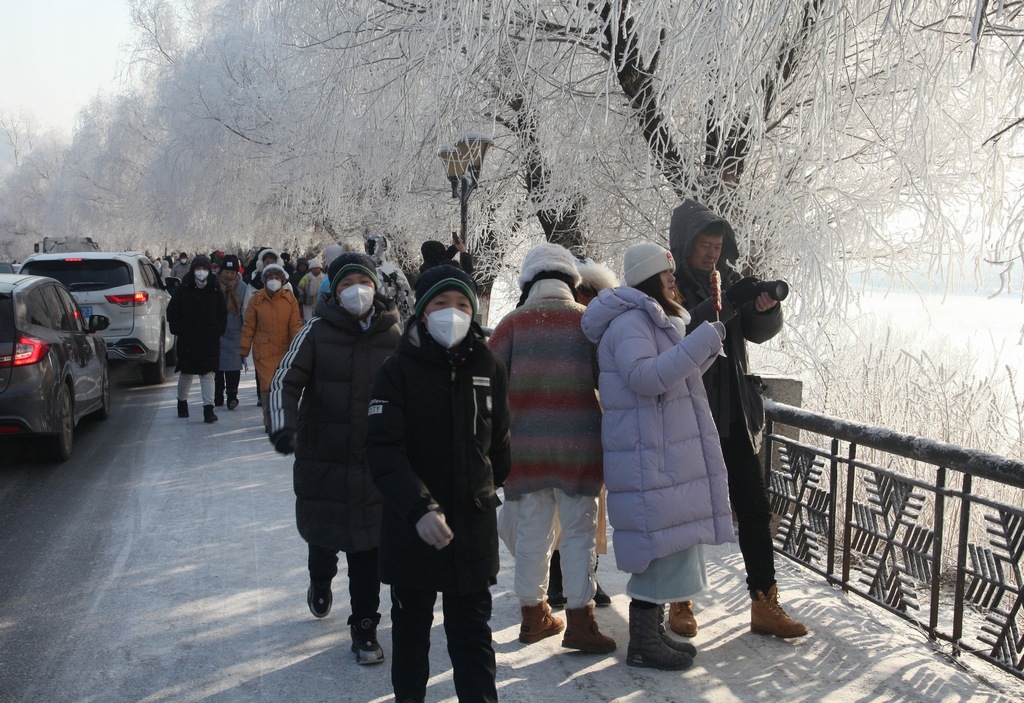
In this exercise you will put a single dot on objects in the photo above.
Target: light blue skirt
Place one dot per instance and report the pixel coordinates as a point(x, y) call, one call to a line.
point(671, 579)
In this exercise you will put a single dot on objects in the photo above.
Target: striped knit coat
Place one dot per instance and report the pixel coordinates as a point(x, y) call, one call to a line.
point(555, 416)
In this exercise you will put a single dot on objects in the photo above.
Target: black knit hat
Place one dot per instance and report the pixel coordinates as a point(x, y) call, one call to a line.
point(351, 262)
point(230, 263)
point(433, 252)
point(437, 280)
point(200, 262)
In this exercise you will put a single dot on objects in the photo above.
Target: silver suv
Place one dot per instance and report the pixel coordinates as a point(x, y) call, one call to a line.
point(125, 288)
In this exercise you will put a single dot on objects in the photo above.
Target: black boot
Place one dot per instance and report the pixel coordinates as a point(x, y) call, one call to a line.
point(646, 648)
point(232, 401)
point(364, 641)
point(208, 415)
point(601, 599)
point(556, 599)
point(182, 408)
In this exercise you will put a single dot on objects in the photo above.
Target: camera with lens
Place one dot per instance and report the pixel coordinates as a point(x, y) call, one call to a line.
point(778, 290)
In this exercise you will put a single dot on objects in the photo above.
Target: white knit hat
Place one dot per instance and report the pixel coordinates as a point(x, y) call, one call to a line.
point(314, 263)
point(641, 261)
point(548, 257)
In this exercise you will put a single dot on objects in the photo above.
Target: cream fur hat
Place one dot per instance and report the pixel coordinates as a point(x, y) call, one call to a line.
point(548, 257)
point(641, 261)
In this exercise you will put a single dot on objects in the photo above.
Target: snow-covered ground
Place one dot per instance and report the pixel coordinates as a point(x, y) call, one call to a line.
point(204, 600)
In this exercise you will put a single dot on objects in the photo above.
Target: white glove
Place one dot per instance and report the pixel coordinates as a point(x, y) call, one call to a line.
point(720, 328)
point(433, 529)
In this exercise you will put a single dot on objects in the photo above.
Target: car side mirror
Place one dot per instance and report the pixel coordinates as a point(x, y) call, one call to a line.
point(97, 323)
point(171, 283)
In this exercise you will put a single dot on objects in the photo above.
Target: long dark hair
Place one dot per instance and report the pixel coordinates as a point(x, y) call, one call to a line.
point(652, 287)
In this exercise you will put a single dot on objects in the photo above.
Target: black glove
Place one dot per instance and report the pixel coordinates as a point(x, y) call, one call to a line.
point(283, 441)
point(742, 291)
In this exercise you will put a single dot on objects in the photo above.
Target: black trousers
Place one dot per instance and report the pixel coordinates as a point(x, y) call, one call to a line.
point(226, 381)
point(363, 578)
point(470, 646)
point(750, 503)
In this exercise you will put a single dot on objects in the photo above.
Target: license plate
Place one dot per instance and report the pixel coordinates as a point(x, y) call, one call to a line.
point(87, 311)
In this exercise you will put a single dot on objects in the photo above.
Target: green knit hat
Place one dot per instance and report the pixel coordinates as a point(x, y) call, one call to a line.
point(437, 280)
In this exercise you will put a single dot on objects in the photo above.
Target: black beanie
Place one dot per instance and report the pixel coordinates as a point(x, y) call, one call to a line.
point(200, 262)
point(350, 262)
point(433, 252)
point(437, 280)
point(230, 263)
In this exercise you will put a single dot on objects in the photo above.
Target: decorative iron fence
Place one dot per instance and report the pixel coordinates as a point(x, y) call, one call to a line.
point(930, 536)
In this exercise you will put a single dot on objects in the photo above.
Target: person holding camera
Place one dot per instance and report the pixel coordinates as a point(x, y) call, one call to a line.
point(703, 242)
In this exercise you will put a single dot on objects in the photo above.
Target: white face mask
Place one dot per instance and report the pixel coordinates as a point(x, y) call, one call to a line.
point(201, 275)
point(273, 285)
point(356, 299)
point(449, 326)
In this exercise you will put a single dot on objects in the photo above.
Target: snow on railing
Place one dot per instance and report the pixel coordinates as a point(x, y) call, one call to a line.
point(922, 531)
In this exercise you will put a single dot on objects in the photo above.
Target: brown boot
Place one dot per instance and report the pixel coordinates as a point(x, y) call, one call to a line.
point(582, 632)
point(768, 618)
point(538, 623)
point(681, 620)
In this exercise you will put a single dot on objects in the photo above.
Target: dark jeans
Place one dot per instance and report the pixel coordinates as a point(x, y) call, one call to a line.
point(750, 503)
point(226, 381)
point(363, 578)
point(470, 648)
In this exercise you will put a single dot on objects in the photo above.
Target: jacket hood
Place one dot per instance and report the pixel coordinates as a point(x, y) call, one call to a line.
point(264, 252)
point(690, 219)
point(612, 302)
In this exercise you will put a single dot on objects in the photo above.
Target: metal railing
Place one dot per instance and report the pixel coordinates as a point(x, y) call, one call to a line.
point(930, 536)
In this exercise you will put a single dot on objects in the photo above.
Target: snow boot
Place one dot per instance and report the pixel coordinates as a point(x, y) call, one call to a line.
point(768, 618)
point(556, 599)
point(208, 415)
point(582, 633)
point(681, 620)
point(364, 641)
point(538, 623)
point(646, 648)
point(232, 402)
point(319, 598)
point(601, 599)
point(182, 408)
point(685, 647)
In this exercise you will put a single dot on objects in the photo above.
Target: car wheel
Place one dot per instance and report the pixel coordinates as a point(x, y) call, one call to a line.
point(104, 412)
point(154, 372)
point(58, 447)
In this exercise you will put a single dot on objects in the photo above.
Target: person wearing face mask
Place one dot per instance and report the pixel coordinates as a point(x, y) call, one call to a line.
point(236, 297)
point(437, 444)
point(271, 322)
point(180, 267)
point(318, 409)
point(197, 314)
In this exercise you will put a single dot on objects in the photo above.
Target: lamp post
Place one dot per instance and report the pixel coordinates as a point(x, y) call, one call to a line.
point(462, 163)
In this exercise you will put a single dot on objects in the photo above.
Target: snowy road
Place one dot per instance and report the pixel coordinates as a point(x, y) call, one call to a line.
point(161, 563)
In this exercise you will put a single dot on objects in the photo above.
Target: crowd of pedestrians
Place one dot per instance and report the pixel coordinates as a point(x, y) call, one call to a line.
point(591, 403)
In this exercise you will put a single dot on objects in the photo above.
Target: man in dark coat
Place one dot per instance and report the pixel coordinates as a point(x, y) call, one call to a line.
point(198, 315)
point(703, 242)
point(318, 402)
point(437, 443)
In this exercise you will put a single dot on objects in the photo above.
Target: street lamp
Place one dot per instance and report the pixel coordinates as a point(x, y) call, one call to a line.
point(462, 163)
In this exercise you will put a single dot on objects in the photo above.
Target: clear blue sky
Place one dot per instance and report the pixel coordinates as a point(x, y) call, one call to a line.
point(55, 55)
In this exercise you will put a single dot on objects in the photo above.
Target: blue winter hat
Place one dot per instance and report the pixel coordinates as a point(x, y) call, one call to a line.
point(437, 280)
point(351, 262)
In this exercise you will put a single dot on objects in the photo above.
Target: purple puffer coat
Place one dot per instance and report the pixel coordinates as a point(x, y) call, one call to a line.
point(663, 465)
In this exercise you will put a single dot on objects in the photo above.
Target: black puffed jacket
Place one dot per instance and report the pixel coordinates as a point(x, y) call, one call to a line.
point(198, 317)
point(321, 391)
point(438, 438)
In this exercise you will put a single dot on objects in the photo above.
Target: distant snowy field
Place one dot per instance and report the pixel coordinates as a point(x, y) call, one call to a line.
point(992, 329)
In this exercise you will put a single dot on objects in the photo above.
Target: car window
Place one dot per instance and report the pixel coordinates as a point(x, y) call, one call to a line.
point(60, 317)
point(83, 274)
point(74, 315)
point(149, 275)
point(7, 327)
point(37, 312)
point(6, 267)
